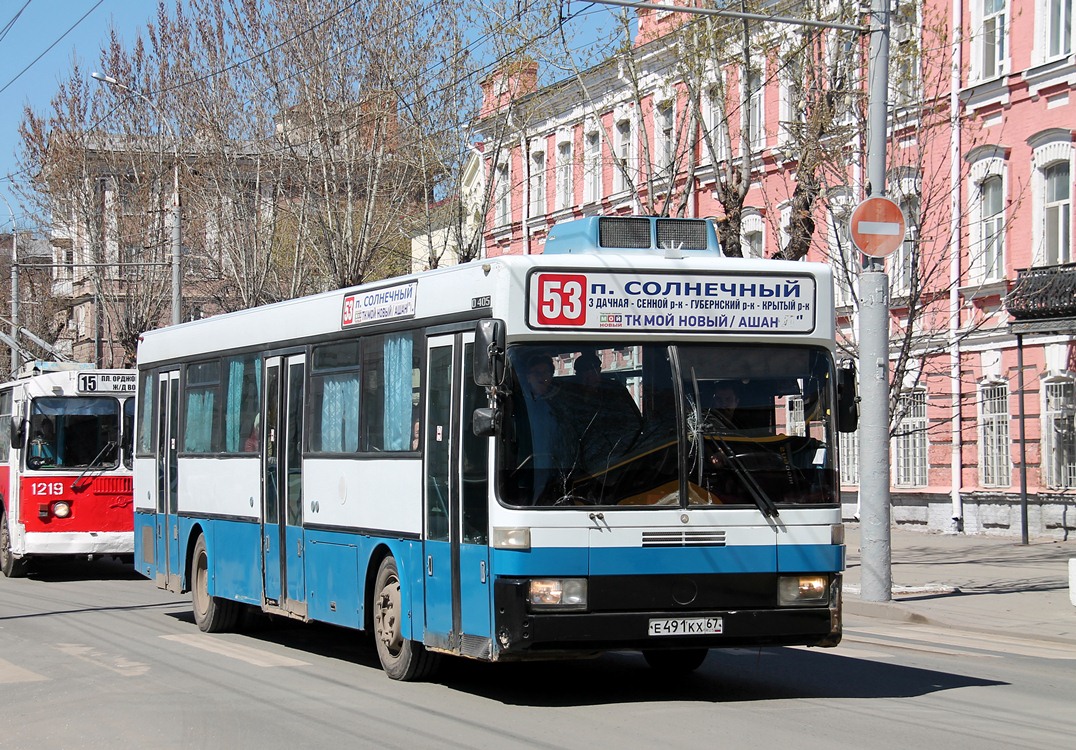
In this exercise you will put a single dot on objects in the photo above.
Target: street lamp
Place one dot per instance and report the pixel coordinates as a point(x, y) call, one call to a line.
point(176, 236)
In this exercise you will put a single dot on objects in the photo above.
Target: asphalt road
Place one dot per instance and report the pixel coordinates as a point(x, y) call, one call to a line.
point(93, 656)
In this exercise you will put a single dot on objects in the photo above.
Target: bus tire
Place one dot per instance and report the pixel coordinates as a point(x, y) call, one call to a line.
point(11, 566)
point(675, 661)
point(402, 659)
point(212, 613)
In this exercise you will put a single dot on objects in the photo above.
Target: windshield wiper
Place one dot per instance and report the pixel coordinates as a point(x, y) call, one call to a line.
point(762, 500)
point(76, 486)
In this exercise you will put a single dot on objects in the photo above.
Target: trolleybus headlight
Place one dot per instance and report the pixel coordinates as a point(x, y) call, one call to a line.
point(558, 593)
point(802, 590)
point(61, 509)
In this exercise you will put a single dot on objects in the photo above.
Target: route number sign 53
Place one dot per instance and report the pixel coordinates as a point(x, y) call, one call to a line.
point(562, 299)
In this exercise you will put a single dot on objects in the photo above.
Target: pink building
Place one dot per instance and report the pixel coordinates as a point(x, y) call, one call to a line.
point(983, 290)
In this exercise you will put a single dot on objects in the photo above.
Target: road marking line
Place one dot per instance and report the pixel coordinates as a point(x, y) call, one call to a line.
point(911, 645)
point(11, 674)
point(970, 640)
point(250, 655)
point(118, 664)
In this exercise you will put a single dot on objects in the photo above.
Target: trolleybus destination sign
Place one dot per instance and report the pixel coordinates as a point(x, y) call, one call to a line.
point(670, 302)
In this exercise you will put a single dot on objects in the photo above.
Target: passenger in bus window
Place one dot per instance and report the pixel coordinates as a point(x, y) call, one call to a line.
point(253, 441)
point(611, 420)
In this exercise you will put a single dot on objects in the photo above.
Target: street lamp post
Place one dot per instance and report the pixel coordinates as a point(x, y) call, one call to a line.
point(176, 234)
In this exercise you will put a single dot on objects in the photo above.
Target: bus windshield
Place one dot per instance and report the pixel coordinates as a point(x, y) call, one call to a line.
point(659, 425)
point(73, 432)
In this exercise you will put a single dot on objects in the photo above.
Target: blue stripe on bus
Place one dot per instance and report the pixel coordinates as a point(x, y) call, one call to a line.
point(663, 561)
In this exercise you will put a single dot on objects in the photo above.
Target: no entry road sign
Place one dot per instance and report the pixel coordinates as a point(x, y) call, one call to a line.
point(877, 226)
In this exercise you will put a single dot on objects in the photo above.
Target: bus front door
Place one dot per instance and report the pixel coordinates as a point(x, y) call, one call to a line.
point(169, 573)
point(283, 577)
point(457, 590)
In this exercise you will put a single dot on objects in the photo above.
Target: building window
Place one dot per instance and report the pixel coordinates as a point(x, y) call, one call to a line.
point(794, 419)
point(911, 439)
point(752, 234)
point(991, 38)
point(754, 93)
point(592, 183)
point(503, 195)
point(995, 466)
point(1058, 18)
point(665, 137)
point(904, 54)
point(849, 457)
point(793, 105)
point(537, 184)
point(843, 256)
point(1057, 235)
point(1059, 435)
point(622, 155)
point(565, 184)
point(988, 261)
point(717, 125)
point(903, 263)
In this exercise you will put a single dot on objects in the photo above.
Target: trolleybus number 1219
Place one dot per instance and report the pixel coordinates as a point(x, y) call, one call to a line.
point(687, 626)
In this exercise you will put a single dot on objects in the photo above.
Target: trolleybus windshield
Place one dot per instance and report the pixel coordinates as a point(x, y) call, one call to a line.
point(650, 424)
point(74, 432)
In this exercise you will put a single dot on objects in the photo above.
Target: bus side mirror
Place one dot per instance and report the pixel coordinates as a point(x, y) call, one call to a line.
point(489, 353)
point(18, 432)
point(486, 422)
point(847, 398)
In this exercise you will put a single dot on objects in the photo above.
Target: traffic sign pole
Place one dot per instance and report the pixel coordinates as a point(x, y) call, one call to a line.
point(874, 503)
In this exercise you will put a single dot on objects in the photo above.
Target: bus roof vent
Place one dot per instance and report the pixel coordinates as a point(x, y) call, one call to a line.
point(633, 234)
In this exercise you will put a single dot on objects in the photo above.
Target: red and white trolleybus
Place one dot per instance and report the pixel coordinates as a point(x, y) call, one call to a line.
point(65, 463)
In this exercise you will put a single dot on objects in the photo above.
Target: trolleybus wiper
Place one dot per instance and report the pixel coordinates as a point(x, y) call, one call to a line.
point(76, 485)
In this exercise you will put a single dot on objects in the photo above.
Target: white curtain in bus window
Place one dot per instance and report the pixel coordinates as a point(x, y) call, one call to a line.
point(147, 386)
point(242, 404)
point(388, 364)
point(334, 396)
point(203, 382)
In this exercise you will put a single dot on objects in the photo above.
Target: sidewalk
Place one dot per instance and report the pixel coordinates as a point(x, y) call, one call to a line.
point(981, 583)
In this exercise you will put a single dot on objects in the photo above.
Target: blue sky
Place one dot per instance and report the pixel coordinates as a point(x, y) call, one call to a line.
point(36, 51)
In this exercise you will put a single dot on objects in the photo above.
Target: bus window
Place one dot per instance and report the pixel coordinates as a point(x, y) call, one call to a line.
point(242, 404)
point(201, 398)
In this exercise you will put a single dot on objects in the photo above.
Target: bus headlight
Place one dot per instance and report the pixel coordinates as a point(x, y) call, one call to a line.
point(61, 509)
point(564, 594)
point(802, 590)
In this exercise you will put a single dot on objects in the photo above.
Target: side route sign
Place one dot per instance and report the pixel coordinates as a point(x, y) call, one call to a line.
point(877, 226)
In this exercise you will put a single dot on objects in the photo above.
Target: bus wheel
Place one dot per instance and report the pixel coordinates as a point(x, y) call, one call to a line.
point(11, 566)
point(679, 661)
point(402, 659)
point(212, 613)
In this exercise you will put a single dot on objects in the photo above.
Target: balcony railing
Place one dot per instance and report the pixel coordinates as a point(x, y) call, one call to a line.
point(1043, 293)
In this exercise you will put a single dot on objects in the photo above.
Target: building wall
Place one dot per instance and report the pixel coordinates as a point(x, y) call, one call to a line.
point(1013, 121)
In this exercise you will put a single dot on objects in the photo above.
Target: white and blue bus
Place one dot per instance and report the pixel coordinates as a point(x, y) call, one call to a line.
point(627, 442)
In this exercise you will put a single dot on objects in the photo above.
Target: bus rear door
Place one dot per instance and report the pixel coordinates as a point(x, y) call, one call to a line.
point(283, 579)
point(169, 575)
point(457, 594)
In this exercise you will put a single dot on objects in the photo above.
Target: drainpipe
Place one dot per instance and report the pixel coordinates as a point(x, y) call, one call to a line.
point(955, 192)
point(524, 224)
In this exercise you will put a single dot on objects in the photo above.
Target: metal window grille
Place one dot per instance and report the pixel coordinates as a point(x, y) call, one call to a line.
point(911, 449)
point(690, 234)
point(1059, 435)
point(995, 468)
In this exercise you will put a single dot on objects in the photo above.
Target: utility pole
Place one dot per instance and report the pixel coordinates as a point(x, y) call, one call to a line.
point(874, 503)
point(15, 359)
